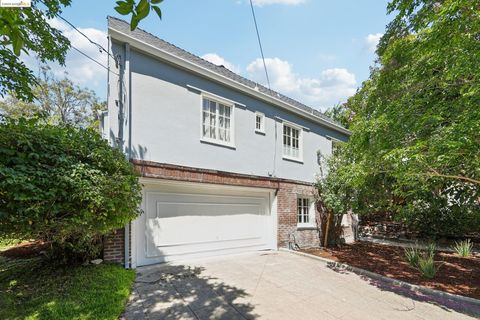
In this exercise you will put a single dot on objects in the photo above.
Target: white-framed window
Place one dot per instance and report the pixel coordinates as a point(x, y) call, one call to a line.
point(217, 121)
point(305, 212)
point(292, 142)
point(259, 122)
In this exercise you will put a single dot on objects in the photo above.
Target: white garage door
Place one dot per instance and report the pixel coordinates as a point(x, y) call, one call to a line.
point(183, 221)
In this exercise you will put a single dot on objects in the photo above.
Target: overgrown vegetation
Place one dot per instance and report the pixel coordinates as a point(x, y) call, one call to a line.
point(63, 185)
point(463, 248)
point(30, 289)
point(416, 122)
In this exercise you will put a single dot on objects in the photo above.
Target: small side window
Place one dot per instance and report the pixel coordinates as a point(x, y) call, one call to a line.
point(259, 122)
point(305, 213)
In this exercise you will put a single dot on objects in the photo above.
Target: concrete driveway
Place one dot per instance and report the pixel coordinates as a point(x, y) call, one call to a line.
point(269, 285)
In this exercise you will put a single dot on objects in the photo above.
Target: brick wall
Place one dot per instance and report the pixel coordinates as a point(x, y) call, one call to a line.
point(288, 234)
point(287, 193)
point(114, 247)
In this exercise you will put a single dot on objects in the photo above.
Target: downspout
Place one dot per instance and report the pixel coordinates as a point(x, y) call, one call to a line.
point(126, 83)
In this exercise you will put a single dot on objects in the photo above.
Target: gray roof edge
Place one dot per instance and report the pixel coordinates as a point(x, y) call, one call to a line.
point(141, 35)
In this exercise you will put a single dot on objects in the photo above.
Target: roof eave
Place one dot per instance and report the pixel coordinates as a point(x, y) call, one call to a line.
point(185, 64)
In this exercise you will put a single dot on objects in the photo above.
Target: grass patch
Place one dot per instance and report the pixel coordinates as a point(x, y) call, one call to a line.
point(31, 289)
point(7, 243)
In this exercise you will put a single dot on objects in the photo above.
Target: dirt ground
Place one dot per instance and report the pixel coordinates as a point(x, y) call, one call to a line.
point(456, 275)
point(25, 250)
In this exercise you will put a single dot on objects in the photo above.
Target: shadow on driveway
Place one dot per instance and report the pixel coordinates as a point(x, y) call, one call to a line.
point(181, 292)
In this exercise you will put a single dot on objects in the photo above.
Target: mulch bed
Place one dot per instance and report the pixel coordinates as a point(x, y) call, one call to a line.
point(25, 250)
point(456, 275)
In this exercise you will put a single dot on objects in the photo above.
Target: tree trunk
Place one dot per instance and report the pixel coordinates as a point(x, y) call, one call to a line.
point(327, 229)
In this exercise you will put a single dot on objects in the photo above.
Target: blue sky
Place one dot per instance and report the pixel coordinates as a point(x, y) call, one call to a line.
point(317, 51)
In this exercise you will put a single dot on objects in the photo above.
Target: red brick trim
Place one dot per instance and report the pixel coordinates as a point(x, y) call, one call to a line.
point(149, 169)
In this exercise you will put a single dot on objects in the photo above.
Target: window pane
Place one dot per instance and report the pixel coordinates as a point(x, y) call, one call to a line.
point(227, 130)
point(221, 110)
point(206, 123)
point(227, 111)
point(205, 104)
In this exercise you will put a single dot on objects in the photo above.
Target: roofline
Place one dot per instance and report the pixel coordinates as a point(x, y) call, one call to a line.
point(188, 65)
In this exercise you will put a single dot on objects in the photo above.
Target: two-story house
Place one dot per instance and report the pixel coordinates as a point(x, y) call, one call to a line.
point(227, 165)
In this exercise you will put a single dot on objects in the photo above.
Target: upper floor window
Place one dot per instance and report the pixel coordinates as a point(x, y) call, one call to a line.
point(259, 122)
point(217, 121)
point(292, 142)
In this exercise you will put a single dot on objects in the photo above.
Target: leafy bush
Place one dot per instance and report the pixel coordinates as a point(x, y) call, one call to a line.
point(63, 185)
point(412, 255)
point(463, 248)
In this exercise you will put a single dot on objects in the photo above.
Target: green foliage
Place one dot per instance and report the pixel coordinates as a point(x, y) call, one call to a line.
point(431, 249)
point(416, 121)
point(7, 243)
point(427, 266)
point(463, 248)
point(26, 30)
point(138, 11)
point(412, 255)
point(31, 289)
point(63, 185)
point(58, 101)
point(341, 114)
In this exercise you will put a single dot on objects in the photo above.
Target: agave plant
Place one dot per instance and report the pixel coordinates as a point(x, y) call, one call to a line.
point(412, 255)
point(463, 248)
point(426, 265)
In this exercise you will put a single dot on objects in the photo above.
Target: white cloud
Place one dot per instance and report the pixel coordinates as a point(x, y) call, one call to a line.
point(79, 68)
point(220, 61)
point(261, 3)
point(371, 41)
point(332, 86)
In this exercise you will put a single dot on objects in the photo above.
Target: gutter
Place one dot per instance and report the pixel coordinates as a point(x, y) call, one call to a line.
point(185, 64)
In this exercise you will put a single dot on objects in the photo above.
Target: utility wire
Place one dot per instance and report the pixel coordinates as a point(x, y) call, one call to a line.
point(260, 44)
point(94, 60)
point(99, 46)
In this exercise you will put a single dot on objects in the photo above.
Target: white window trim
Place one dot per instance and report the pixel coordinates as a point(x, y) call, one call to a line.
point(262, 123)
point(227, 103)
point(311, 213)
point(300, 142)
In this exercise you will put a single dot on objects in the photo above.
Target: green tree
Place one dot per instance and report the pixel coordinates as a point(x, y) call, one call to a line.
point(26, 30)
point(416, 124)
point(58, 101)
point(341, 114)
point(64, 185)
point(334, 193)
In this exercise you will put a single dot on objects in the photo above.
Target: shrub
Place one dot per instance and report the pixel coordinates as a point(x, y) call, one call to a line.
point(63, 185)
point(463, 248)
point(412, 255)
point(426, 265)
point(431, 248)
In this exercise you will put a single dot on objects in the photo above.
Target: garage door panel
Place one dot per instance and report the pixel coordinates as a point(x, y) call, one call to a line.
point(179, 224)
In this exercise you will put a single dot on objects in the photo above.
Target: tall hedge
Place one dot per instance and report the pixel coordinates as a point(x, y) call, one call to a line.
point(63, 185)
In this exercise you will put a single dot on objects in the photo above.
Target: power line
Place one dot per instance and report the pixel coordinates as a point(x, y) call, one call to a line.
point(94, 60)
point(260, 44)
point(99, 46)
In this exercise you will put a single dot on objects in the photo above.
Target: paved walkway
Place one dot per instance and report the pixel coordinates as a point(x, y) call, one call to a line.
point(269, 285)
